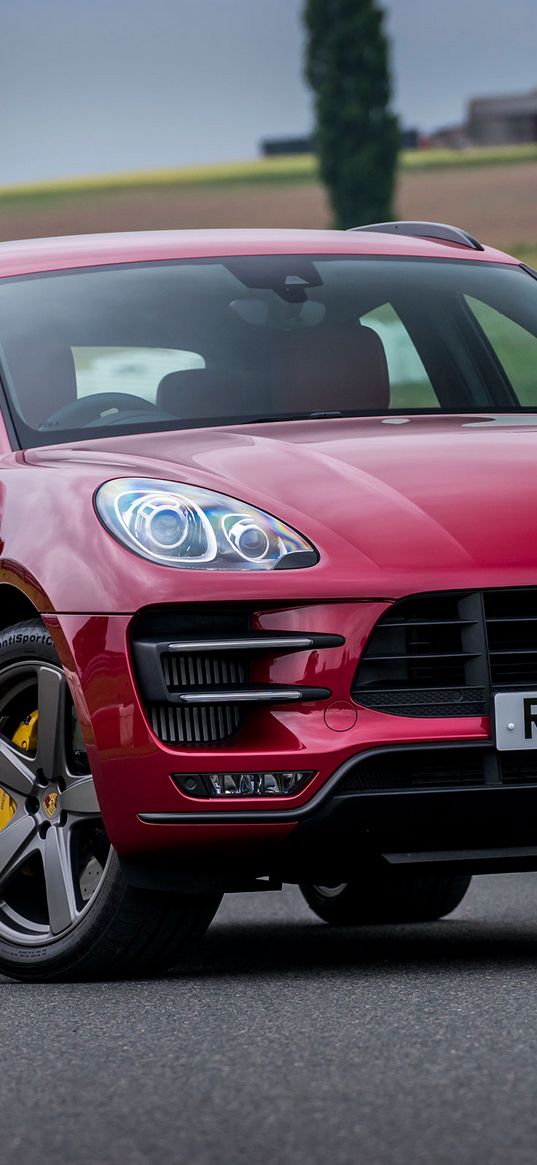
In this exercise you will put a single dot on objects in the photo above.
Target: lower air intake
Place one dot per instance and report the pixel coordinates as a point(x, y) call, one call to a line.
point(457, 767)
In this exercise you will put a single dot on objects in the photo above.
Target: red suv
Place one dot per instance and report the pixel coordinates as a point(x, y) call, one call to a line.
point(269, 582)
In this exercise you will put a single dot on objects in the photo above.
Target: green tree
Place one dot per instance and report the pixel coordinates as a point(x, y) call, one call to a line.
point(357, 135)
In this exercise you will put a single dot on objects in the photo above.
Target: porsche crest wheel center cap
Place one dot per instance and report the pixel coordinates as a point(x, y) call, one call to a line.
point(50, 803)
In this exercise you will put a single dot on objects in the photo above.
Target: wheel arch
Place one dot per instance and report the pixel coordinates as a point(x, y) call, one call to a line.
point(15, 605)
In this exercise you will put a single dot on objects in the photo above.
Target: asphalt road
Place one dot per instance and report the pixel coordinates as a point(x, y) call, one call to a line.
point(284, 1041)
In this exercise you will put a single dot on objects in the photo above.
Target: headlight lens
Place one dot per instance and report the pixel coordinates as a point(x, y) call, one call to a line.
point(183, 525)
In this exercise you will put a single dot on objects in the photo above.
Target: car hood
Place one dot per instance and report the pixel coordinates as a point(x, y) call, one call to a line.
point(394, 504)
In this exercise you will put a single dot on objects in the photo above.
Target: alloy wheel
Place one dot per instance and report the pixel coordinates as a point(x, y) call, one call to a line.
point(53, 847)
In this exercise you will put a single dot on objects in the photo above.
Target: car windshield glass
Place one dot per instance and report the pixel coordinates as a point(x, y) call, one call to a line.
point(188, 343)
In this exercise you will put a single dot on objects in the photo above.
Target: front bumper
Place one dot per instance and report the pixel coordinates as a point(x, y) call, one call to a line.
point(144, 810)
point(345, 832)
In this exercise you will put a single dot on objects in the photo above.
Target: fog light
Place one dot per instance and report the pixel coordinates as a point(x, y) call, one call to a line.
point(279, 784)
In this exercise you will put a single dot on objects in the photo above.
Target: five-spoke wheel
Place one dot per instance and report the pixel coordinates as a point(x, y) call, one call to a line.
point(53, 847)
point(66, 910)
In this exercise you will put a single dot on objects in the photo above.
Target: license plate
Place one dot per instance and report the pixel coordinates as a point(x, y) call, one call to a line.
point(516, 720)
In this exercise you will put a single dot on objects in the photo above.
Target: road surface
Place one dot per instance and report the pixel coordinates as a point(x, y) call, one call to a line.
point(285, 1042)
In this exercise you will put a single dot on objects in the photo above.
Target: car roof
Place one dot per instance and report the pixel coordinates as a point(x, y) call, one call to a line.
point(26, 256)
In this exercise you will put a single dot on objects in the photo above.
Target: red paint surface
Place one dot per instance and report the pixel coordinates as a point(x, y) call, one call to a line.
point(435, 504)
point(28, 255)
point(340, 716)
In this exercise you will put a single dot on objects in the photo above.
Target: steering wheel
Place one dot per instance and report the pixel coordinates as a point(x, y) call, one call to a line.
point(95, 410)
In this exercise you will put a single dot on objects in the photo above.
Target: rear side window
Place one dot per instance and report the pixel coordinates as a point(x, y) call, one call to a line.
point(514, 346)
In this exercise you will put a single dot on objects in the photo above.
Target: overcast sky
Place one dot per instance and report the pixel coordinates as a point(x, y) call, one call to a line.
point(95, 86)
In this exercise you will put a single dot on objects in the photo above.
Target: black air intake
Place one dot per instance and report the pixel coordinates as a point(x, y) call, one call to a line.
point(444, 654)
point(460, 766)
point(164, 674)
point(193, 670)
point(511, 618)
point(427, 657)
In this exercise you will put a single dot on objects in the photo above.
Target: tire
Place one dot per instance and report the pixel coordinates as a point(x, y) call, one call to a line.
point(66, 911)
point(391, 898)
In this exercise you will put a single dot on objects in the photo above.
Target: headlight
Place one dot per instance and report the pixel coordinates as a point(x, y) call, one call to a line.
point(183, 525)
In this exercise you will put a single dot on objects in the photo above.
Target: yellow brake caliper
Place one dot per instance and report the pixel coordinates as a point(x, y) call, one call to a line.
point(25, 738)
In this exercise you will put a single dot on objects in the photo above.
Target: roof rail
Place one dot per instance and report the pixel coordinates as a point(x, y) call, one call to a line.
point(425, 230)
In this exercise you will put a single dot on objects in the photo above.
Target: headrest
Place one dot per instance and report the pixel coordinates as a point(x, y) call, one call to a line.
point(336, 367)
point(39, 401)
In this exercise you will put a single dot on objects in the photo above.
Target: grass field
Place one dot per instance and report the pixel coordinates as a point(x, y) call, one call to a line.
point(291, 169)
point(491, 192)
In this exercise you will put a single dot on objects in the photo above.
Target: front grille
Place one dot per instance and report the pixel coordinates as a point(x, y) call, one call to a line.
point(444, 654)
point(511, 618)
point(458, 767)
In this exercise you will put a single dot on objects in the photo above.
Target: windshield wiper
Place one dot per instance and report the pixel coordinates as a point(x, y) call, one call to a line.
point(314, 416)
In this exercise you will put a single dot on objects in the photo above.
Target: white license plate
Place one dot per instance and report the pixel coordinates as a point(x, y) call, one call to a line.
point(515, 716)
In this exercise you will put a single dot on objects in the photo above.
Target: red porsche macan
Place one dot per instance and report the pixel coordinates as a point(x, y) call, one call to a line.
point(268, 523)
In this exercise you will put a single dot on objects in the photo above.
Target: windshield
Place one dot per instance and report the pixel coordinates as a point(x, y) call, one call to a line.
point(204, 342)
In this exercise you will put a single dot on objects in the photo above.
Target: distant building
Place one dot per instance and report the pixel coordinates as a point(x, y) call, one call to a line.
point(503, 120)
point(274, 147)
point(447, 137)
